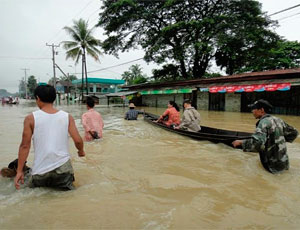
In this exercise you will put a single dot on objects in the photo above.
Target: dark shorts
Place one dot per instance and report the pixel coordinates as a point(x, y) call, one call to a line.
point(60, 178)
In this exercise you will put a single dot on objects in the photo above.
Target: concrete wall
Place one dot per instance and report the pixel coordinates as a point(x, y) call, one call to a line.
point(102, 101)
point(179, 99)
point(232, 102)
point(202, 100)
point(149, 100)
point(162, 100)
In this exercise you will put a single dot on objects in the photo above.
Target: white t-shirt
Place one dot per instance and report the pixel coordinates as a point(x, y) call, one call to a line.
point(50, 141)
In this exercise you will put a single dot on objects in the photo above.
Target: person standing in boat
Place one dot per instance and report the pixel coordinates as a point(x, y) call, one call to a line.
point(171, 116)
point(191, 118)
point(269, 139)
point(132, 113)
point(92, 122)
point(49, 129)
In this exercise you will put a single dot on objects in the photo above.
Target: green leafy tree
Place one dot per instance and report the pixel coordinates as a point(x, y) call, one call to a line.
point(246, 37)
point(31, 84)
point(84, 43)
point(134, 75)
point(166, 73)
point(62, 78)
point(22, 89)
point(186, 33)
point(285, 55)
point(70, 78)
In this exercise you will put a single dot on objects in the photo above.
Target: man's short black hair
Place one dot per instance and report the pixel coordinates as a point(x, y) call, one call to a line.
point(90, 102)
point(46, 93)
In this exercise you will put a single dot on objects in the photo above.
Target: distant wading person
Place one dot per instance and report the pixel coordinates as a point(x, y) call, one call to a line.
point(269, 139)
point(191, 118)
point(171, 116)
point(132, 113)
point(92, 122)
point(48, 128)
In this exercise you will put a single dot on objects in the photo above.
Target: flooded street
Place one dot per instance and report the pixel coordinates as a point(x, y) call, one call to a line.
point(142, 177)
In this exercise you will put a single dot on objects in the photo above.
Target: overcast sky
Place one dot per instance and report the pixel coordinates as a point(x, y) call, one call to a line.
point(26, 27)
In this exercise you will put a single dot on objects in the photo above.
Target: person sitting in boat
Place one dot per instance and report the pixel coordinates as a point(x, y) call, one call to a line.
point(132, 113)
point(171, 116)
point(191, 118)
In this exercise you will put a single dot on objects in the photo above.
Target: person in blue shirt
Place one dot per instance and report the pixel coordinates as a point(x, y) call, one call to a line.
point(132, 113)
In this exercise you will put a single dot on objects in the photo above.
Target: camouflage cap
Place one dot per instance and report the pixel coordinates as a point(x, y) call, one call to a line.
point(261, 104)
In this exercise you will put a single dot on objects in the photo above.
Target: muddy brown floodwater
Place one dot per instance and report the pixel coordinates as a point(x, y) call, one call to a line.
point(142, 177)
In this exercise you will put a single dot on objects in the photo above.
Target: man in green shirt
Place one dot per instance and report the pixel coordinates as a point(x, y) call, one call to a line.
point(269, 139)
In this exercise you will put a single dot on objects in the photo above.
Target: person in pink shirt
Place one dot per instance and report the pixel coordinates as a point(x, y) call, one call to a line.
point(171, 116)
point(92, 122)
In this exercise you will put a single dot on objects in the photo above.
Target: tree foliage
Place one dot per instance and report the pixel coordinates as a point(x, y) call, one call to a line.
point(62, 78)
point(70, 78)
point(246, 37)
point(31, 84)
point(83, 43)
point(22, 88)
point(169, 72)
point(134, 75)
point(188, 34)
point(286, 54)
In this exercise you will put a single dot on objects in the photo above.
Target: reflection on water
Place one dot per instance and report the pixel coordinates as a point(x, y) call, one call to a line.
point(142, 177)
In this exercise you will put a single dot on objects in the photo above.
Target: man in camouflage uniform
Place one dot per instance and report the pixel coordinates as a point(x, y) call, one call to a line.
point(269, 139)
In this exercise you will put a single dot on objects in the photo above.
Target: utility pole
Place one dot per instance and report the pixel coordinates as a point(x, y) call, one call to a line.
point(54, 65)
point(25, 81)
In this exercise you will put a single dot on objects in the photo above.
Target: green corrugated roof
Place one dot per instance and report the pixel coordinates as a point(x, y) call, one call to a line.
point(100, 81)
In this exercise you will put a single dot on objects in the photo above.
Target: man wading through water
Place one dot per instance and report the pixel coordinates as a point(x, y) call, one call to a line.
point(92, 122)
point(269, 138)
point(48, 128)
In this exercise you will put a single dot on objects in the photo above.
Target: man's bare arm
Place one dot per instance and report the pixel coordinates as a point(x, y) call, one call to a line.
point(24, 149)
point(76, 137)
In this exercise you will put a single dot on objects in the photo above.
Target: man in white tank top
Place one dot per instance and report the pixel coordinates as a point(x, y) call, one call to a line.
point(49, 130)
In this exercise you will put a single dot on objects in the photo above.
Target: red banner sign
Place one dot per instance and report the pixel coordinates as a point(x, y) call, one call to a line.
point(250, 88)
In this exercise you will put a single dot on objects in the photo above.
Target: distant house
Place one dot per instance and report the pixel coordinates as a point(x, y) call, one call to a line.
point(98, 86)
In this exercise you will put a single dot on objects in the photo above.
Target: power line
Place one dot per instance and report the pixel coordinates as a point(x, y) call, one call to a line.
point(27, 58)
point(98, 70)
point(278, 12)
point(42, 51)
point(73, 18)
point(288, 16)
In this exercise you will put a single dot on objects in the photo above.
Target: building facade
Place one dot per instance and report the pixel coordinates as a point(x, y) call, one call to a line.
point(97, 86)
point(229, 93)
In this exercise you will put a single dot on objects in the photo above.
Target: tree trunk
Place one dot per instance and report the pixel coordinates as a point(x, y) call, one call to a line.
point(183, 69)
point(85, 69)
point(82, 77)
point(196, 65)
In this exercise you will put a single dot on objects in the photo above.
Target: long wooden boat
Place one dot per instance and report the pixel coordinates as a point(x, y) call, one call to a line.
point(206, 133)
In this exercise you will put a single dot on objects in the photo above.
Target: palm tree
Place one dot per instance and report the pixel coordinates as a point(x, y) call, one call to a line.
point(83, 43)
